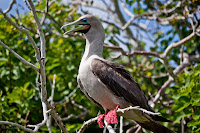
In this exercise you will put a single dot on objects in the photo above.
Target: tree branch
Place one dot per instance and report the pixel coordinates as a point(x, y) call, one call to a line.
point(41, 33)
point(148, 53)
point(86, 124)
point(22, 29)
point(10, 6)
point(17, 125)
point(42, 71)
point(19, 57)
point(177, 44)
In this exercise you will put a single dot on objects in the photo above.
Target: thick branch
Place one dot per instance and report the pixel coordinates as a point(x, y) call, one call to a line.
point(85, 124)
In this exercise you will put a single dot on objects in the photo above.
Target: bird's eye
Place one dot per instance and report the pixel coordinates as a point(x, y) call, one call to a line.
point(84, 20)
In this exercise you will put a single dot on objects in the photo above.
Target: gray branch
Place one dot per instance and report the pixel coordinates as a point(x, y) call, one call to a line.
point(10, 6)
point(42, 71)
point(19, 57)
point(16, 125)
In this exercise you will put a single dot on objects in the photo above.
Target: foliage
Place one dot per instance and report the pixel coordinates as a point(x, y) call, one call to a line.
point(20, 101)
point(186, 95)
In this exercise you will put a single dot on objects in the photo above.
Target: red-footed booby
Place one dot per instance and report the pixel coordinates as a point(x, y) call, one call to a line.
point(108, 84)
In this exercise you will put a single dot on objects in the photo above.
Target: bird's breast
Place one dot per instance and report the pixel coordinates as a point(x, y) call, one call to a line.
point(95, 88)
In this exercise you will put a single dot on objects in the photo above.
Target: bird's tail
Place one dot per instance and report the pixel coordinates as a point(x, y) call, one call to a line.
point(155, 127)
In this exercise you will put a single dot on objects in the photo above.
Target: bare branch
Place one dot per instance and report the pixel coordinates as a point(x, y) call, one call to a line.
point(138, 130)
point(10, 6)
point(26, 3)
point(52, 18)
point(165, 85)
point(186, 62)
point(136, 108)
point(128, 31)
point(109, 127)
point(121, 124)
point(129, 13)
point(42, 71)
point(52, 89)
point(19, 57)
point(42, 37)
point(16, 125)
point(177, 44)
point(57, 118)
point(86, 124)
point(76, 116)
point(45, 11)
point(149, 53)
point(22, 29)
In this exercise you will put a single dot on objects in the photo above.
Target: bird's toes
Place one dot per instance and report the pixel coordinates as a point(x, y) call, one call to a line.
point(111, 117)
point(100, 120)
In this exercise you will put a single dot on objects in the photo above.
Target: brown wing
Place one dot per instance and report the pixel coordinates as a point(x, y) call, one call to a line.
point(120, 82)
point(86, 94)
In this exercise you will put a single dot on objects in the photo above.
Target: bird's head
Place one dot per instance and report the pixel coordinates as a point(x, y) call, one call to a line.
point(85, 24)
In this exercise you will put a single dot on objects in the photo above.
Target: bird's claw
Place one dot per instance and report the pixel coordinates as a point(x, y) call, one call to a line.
point(100, 120)
point(110, 118)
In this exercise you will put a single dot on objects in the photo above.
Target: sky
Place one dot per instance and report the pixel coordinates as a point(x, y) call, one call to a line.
point(5, 3)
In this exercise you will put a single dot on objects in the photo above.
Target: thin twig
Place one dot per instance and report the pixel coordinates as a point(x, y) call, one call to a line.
point(16, 125)
point(121, 124)
point(148, 53)
point(177, 44)
point(109, 127)
point(41, 33)
point(42, 70)
point(10, 6)
point(45, 11)
point(19, 57)
point(22, 29)
point(76, 116)
point(136, 108)
point(86, 124)
point(37, 126)
point(138, 129)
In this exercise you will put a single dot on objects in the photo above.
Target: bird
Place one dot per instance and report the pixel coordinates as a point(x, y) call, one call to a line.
point(108, 84)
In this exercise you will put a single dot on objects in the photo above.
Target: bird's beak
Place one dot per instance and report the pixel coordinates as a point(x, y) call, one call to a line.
point(82, 27)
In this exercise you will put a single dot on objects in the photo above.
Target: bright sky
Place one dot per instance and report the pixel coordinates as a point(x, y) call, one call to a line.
point(5, 3)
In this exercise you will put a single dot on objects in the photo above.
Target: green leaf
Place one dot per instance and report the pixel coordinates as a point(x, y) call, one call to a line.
point(181, 104)
point(52, 66)
point(193, 123)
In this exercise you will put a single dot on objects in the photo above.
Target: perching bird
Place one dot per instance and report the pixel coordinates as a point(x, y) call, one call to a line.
point(108, 84)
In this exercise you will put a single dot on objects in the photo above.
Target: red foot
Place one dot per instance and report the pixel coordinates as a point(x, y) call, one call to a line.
point(100, 120)
point(110, 117)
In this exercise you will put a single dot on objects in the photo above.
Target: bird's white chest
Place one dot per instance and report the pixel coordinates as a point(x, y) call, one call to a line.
point(95, 88)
